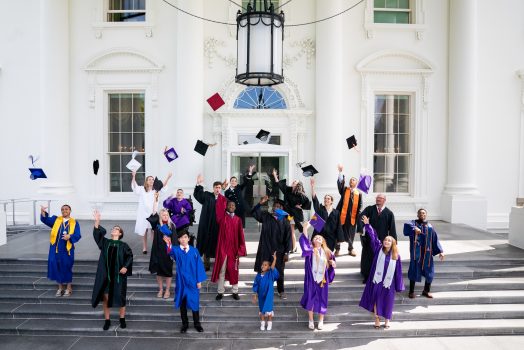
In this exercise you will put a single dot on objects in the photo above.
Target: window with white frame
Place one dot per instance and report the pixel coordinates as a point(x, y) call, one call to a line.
point(392, 143)
point(393, 11)
point(126, 134)
point(126, 11)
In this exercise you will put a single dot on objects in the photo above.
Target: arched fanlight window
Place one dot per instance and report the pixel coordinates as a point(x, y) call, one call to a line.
point(260, 98)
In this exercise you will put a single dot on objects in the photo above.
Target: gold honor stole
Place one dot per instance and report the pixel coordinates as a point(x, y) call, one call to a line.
point(354, 208)
point(54, 232)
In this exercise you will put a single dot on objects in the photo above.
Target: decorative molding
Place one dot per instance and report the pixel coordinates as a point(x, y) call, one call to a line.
point(307, 48)
point(123, 60)
point(404, 62)
point(210, 52)
point(100, 25)
point(418, 27)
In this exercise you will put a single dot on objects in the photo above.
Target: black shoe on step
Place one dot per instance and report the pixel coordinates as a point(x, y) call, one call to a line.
point(235, 296)
point(183, 329)
point(199, 328)
point(219, 296)
point(123, 322)
point(107, 323)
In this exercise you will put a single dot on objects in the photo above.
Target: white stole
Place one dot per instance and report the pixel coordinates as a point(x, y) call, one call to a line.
point(318, 265)
point(379, 270)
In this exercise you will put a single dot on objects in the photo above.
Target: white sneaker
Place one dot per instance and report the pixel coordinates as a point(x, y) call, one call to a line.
point(311, 325)
point(320, 325)
point(269, 325)
point(262, 325)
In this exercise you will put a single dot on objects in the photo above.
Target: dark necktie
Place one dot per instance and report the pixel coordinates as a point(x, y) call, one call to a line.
point(379, 210)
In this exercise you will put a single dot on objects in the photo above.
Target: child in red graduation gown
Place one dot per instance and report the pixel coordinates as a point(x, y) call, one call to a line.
point(230, 246)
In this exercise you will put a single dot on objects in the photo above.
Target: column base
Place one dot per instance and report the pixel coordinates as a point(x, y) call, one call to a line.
point(516, 227)
point(465, 209)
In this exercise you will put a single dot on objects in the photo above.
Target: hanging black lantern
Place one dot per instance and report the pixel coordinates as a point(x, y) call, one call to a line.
point(260, 37)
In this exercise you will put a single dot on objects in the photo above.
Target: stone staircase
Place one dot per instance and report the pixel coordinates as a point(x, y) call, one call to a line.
point(474, 296)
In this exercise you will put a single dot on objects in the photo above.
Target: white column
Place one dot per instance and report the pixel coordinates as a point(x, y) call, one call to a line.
point(329, 119)
point(189, 97)
point(54, 96)
point(520, 197)
point(462, 202)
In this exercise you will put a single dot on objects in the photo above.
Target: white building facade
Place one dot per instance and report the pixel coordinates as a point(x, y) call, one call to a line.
point(435, 97)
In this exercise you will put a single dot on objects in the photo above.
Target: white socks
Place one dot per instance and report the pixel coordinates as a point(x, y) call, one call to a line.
point(269, 325)
point(311, 325)
point(263, 325)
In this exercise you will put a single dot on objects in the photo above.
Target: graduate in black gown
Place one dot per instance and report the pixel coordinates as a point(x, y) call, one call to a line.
point(332, 231)
point(160, 263)
point(295, 201)
point(383, 221)
point(115, 264)
point(207, 226)
point(275, 236)
point(234, 193)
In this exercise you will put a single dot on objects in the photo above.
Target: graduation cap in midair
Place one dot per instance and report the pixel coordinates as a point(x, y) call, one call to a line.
point(309, 170)
point(170, 154)
point(281, 214)
point(317, 222)
point(352, 142)
point(215, 101)
point(201, 147)
point(263, 135)
point(165, 229)
point(157, 184)
point(133, 164)
point(364, 183)
point(96, 166)
point(36, 173)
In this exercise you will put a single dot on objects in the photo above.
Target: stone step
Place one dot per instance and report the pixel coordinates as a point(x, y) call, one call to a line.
point(282, 329)
point(285, 313)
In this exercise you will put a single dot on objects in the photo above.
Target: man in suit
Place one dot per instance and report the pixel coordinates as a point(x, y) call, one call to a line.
point(383, 221)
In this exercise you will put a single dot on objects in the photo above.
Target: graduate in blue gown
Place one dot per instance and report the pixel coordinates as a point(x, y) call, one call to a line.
point(190, 274)
point(65, 232)
point(263, 289)
point(423, 245)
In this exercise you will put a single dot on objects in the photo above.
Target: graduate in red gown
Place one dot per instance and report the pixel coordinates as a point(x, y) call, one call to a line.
point(231, 246)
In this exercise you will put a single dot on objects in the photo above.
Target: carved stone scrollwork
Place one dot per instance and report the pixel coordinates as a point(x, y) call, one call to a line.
point(211, 46)
point(306, 47)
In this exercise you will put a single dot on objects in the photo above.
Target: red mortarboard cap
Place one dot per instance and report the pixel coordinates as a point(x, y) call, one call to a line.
point(216, 101)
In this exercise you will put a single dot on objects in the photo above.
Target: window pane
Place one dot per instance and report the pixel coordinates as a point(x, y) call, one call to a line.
point(403, 143)
point(391, 4)
point(124, 159)
point(390, 164)
point(403, 4)
point(140, 177)
point(138, 122)
point(114, 181)
point(403, 124)
point(114, 103)
point(125, 122)
point(402, 183)
point(402, 104)
point(141, 5)
point(379, 164)
point(380, 123)
point(126, 182)
point(380, 143)
point(380, 3)
point(115, 4)
point(126, 101)
point(138, 103)
point(378, 183)
point(403, 164)
point(391, 17)
point(114, 125)
point(380, 104)
point(114, 163)
point(114, 142)
point(138, 141)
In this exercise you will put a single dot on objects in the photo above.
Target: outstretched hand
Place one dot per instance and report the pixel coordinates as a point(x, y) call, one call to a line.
point(340, 168)
point(441, 256)
point(365, 219)
point(264, 199)
point(43, 210)
point(200, 179)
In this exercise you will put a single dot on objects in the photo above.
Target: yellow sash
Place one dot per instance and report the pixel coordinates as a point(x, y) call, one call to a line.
point(54, 232)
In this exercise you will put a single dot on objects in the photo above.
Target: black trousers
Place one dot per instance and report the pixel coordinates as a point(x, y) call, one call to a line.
point(427, 286)
point(183, 314)
point(280, 265)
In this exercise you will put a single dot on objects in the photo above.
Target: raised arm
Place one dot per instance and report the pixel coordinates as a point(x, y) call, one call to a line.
point(169, 175)
point(198, 193)
point(305, 245)
point(370, 232)
point(341, 180)
point(98, 231)
point(134, 185)
point(257, 211)
point(45, 218)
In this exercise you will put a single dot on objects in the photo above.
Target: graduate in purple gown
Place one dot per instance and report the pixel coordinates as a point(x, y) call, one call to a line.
point(423, 245)
point(180, 209)
point(319, 269)
point(190, 274)
point(65, 232)
point(385, 277)
point(263, 289)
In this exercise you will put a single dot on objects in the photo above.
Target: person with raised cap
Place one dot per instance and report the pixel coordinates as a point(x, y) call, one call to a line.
point(65, 232)
point(332, 230)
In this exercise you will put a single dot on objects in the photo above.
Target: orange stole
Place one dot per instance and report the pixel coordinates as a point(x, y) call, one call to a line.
point(343, 214)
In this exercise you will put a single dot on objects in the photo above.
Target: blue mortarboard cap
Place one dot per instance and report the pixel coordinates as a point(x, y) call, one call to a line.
point(165, 229)
point(364, 183)
point(37, 173)
point(281, 213)
point(317, 222)
point(170, 154)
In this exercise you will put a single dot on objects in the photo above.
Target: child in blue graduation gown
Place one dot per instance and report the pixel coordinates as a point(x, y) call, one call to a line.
point(423, 245)
point(263, 289)
point(190, 274)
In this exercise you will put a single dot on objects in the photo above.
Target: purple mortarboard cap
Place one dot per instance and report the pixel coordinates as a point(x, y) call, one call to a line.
point(364, 183)
point(215, 101)
point(37, 173)
point(165, 229)
point(281, 213)
point(317, 222)
point(171, 154)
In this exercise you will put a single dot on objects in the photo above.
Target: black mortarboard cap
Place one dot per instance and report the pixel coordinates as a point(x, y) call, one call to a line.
point(201, 147)
point(352, 141)
point(96, 165)
point(157, 184)
point(263, 135)
point(37, 173)
point(309, 170)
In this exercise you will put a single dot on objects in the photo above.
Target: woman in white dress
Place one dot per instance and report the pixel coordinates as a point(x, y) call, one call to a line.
point(145, 205)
